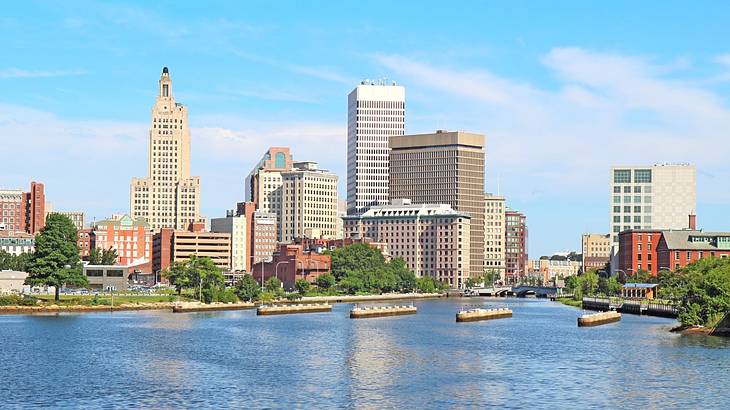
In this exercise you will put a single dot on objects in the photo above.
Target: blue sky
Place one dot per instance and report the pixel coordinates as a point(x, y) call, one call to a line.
point(562, 90)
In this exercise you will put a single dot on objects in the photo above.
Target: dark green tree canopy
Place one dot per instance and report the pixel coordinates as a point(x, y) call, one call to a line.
point(55, 261)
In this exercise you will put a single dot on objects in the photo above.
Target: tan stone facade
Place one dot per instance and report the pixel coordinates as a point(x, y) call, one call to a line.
point(301, 196)
point(216, 246)
point(494, 222)
point(433, 239)
point(443, 168)
point(169, 197)
point(596, 250)
point(309, 205)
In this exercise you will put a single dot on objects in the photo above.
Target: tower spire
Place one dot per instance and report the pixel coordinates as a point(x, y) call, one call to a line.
point(165, 83)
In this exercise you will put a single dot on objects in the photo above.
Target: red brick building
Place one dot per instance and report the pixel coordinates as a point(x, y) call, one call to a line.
point(131, 238)
point(638, 251)
point(318, 245)
point(84, 242)
point(162, 250)
point(515, 250)
point(678, 249)
point(292, 263)
point(23, 211)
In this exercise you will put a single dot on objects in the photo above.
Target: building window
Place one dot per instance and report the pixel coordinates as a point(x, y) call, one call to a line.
point(621, 176)
point(642, 176)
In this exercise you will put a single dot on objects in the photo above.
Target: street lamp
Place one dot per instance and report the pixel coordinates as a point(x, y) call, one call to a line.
point(276, 269)
point(253, 265)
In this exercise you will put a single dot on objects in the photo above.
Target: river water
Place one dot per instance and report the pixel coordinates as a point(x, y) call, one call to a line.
point(537, 359)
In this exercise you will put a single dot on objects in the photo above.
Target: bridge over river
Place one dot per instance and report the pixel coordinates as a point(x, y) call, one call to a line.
point(519, 291)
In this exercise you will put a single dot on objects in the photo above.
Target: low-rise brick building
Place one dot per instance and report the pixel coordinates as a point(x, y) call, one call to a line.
point(291, 263)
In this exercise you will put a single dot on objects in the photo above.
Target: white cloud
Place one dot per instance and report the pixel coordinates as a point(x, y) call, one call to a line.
point(271, 94)
point(20, 73)
point(559, 143)
point(322, 73)
point(88, 164)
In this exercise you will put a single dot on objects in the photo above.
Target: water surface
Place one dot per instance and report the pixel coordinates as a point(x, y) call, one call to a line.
point(537, 359)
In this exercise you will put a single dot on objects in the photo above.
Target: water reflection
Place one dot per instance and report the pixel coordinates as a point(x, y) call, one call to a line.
point(537, 358)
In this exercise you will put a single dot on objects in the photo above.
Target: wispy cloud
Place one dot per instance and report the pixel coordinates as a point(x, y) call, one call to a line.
point(271, 94)
point(322, 73)
point(225, 148)
point(20, 73)
point(609, 108)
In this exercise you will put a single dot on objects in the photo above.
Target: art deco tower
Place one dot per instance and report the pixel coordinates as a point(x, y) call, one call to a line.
point(169, 197)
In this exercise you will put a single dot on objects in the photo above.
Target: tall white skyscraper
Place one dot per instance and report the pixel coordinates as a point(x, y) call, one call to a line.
point(375, 112)
point(659, 196)
point(169, 197)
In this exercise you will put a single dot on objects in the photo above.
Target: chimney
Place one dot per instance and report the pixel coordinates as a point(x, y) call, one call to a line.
point(692, 222)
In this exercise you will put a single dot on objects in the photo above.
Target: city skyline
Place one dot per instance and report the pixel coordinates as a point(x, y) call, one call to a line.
point(592, 102)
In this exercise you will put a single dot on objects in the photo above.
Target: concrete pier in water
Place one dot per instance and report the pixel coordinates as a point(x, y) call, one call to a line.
point(288, 309)
point(597, 319)
point(381, 311)
point(473, 315)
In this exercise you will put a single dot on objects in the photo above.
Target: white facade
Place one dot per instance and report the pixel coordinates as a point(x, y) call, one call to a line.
point(375, 112)
point(651, 197)
point(169, 197)
point(494, 220)
point(236, 227)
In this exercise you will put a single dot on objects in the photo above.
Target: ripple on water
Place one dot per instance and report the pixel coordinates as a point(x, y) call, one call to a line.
point(157, 359)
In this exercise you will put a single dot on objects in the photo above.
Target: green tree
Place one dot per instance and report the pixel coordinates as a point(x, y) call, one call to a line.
point(273, 285)
point(589, 282)
point(325, 281)
point(55, 261)
point(178, 276)
point(613, 286)
point(426, 284)
point(208, 277)
point(406, 279)
point(94, 257)
point(356, 258)
point(701, 291)
point(302, 286)
point(248, 289)
point(200, 274)
point(19, 262)
point(352, 284)
point(109, 256)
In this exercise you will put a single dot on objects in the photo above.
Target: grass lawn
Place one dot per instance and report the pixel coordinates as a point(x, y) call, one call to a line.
point(570, 302)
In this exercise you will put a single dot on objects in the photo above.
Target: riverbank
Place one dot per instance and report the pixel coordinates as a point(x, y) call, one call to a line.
point(370, 298)
point(570, 302)
point(82, 305)
point(40, 309)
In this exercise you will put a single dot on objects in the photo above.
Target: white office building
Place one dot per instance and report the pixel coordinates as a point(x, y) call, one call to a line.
point(659, 196)
point(236, 227)
point(375, 112)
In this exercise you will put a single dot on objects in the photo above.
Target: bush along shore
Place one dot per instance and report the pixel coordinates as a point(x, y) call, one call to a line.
point(700, 292)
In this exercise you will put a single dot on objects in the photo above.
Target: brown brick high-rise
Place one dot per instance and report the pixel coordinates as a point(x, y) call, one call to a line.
point(443, 168)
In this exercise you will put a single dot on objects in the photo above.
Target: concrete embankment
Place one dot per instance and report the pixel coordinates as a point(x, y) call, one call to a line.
point(381, 311)
point(213, 307)
point(371, 298)
point(288, 309)
point(84, 308)
point(473, 315)
point(597, 319)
